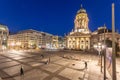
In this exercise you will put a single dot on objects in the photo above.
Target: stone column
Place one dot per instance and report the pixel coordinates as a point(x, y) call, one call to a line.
point(67, 42)
point(85, 41)
point(78, 43)
point(88, 43)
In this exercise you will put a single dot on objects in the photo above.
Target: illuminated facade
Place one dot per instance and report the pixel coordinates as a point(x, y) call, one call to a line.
point(4, 32)
point(29, 39)
point(79, 37)
point(103, 33)
point(55, 42)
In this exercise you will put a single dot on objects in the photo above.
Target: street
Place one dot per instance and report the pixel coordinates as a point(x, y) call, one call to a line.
point(52, 65)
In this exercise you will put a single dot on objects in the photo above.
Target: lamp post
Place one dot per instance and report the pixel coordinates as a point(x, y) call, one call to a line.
point(113, 45)
point(104, 57)
point(99, 47)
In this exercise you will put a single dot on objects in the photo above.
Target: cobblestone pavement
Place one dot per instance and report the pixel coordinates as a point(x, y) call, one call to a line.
point(37, 67)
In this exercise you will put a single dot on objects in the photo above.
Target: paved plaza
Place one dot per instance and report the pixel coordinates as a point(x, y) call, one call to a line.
point(59, 68)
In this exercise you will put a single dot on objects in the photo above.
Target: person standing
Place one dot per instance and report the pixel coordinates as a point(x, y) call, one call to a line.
point(49, 59)
point(21, 72)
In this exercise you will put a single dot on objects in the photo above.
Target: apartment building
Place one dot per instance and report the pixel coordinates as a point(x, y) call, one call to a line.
point(29, 39)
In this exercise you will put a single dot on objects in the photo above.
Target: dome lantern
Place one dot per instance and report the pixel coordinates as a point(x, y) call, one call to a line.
point(82, 10)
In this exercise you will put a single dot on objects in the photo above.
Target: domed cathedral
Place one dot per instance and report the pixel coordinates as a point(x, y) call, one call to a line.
point(79, 37)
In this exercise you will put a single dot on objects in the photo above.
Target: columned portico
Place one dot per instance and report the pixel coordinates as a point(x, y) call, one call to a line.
point(75, 42)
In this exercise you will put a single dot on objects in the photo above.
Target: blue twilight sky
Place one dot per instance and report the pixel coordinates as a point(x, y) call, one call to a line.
point(55, 16)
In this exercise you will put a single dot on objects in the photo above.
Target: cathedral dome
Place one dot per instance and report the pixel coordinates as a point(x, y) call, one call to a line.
point(3, 28)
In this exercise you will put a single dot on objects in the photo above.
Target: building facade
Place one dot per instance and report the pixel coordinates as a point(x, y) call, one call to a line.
point(29, 39)
point(101, 34)
point(4, 32)
point(55, 42)
point(79, 37)
point(82, 38)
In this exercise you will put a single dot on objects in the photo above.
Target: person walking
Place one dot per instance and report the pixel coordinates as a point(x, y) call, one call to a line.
point(85, 65)
point(21, 72)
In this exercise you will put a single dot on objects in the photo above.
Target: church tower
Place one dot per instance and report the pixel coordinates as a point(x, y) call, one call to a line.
point(81, 21)
point(79, 37)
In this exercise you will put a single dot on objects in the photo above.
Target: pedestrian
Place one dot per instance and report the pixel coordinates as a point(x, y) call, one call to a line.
point(85, 65)
point(42, 55)
point(21, 73)
point(49, 59)
point(47, 62)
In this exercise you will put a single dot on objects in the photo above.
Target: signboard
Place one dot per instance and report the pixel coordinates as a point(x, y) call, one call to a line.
point(109, 59)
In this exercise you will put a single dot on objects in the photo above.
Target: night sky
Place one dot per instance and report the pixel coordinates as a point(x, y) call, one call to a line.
point(56, 16)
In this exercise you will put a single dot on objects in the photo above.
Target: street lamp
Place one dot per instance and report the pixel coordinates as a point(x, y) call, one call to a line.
point(99, 47)
point(13, 44)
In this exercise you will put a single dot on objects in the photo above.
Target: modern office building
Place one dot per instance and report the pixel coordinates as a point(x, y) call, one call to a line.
point(4, 32)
